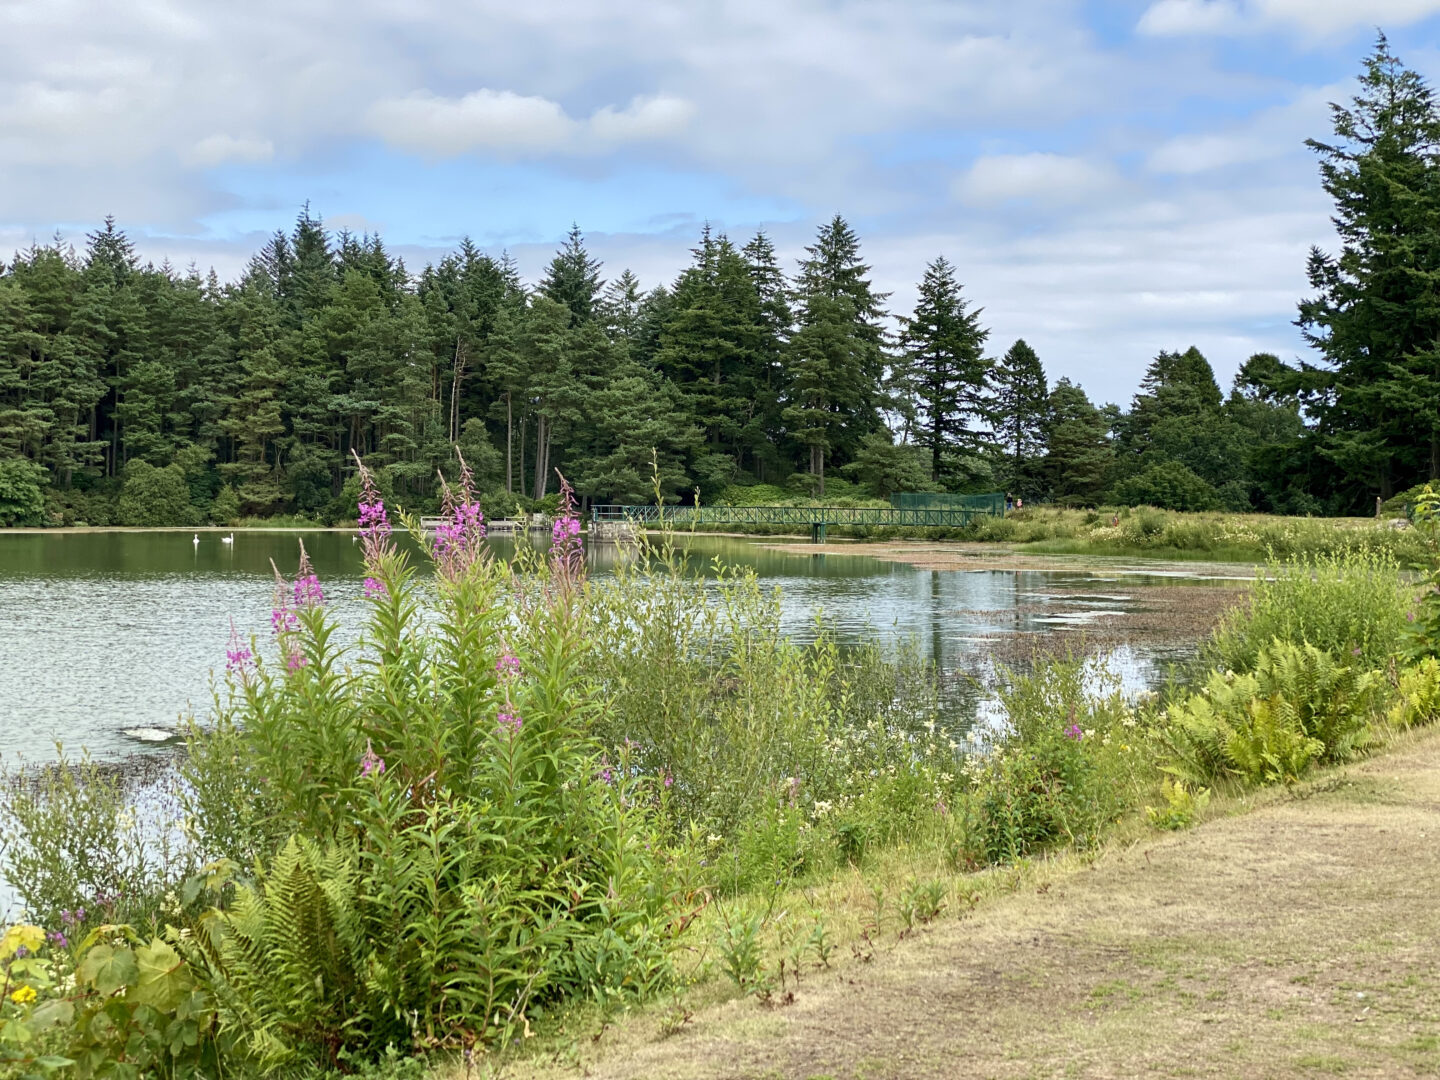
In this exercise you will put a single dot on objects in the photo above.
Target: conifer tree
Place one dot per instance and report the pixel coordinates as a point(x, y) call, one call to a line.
point(945, 373)
point(1375, 314)
point(573, 278)
point(1020, 408)
point(835, 361)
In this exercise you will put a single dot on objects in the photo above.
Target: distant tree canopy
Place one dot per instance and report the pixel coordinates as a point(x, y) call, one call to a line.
point(137, 394)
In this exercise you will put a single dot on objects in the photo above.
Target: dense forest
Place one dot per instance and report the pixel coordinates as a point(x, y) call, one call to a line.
point(137, 394)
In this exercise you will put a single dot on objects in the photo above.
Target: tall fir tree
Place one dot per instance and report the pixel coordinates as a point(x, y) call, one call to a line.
point(1375, 314)
point(836, 360)
point(945, 375)
point(1020, 409)
point(573, 278)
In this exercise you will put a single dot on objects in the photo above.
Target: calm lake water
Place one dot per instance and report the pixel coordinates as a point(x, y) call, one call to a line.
point(106, 634)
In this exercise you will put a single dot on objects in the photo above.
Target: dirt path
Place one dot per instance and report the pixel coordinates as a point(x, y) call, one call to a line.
point(1299, 939)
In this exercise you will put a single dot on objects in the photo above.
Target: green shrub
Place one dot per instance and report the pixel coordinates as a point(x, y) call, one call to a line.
point(22, 492)
point(1417, 695)
point(1066, 762)
point(1351, 605)
point(154, 497)
point(1299, 707)
point(226, 506)
point(1169, 485)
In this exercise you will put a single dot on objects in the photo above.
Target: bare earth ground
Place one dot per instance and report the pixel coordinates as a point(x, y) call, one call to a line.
point(1298, 939)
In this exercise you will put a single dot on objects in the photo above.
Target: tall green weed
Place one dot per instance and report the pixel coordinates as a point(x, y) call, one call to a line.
point(1351, 605)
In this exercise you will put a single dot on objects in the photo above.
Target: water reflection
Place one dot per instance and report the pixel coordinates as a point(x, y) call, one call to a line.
point(105, 633)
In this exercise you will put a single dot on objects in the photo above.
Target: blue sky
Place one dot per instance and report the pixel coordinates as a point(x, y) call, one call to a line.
point(1111, 178)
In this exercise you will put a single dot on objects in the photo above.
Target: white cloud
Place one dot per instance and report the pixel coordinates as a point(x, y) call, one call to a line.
point(511, 124)
point(1042, 178)
point(1177, 17)
point(216, 149)
point(1267, 135)
point(644, 118)
point(482, 120)
point(1189, 17)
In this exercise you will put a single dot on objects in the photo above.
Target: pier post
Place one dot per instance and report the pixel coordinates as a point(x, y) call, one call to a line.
point(817, 533)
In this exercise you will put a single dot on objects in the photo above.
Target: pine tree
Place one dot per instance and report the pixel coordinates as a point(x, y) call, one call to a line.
point(1078, 455)
point(573, 278)
point(1375, 315)
point(1020, 408)
point(945, 373)
point(836, 360)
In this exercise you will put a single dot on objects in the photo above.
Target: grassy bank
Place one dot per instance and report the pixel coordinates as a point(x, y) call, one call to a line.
point(1147, 532)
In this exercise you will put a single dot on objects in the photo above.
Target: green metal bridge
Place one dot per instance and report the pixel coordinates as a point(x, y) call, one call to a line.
point(911, 512)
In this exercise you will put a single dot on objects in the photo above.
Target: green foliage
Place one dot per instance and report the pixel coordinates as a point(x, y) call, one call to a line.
point(1417, 695)
point(881, 467)
point(1182, 805)
point(1299, 706)
point(152, 496)
point(22, 497)
point(1170, 486)
point(944, 378)
point(1065, 763)
point(74, 840)
point(226, 506)
point(1350, 605)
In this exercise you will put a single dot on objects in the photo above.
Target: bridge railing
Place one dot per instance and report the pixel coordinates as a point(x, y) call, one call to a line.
point(901, 517)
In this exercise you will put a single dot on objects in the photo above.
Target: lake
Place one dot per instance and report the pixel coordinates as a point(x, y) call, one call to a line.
point(104, 634)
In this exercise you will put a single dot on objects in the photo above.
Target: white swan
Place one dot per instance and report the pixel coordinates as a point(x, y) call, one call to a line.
point(228, 539)
point(196, 541)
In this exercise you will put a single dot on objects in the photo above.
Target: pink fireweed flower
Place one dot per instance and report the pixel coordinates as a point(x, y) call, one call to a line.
point(507, 667)
point(238, 657)
point(460, 537)
point(371, 764)
point(375, 588)
point(374, 521)
point(668, 781)
point(510, 723)
point(567, 553)
point(308, 591)
point(1074, 732)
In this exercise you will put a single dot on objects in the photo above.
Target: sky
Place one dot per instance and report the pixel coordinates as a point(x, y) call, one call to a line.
point(1110, 177)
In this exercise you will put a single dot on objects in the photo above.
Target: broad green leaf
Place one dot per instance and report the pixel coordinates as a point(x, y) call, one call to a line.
point(108, 969)
point(163, 977)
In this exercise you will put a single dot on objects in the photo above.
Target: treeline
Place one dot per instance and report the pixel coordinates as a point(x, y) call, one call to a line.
point(136, 394)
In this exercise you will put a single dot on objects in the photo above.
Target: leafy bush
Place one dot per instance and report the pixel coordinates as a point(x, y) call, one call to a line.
point(22, 492)
point(1351, 605)
point(1182, 806)
point(155, 497)
point(1299, 707)
point(1417, 695)
point(1064, 764)
point(226, 506)
point(1169, 485)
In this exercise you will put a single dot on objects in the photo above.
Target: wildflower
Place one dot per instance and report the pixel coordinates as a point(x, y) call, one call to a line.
point(375, 587)
point(510, 722)
point(507, 666)
point(371, 764)
point(59, 938)
point(238, 656)
point(459, 538)
point(668, 781)
point(308, 591)
point(606, 777)
point(567, 554)
point(24, 995)
point(374, 522)
point(1074, 732)
point(294, 662)
point(1355, 651)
